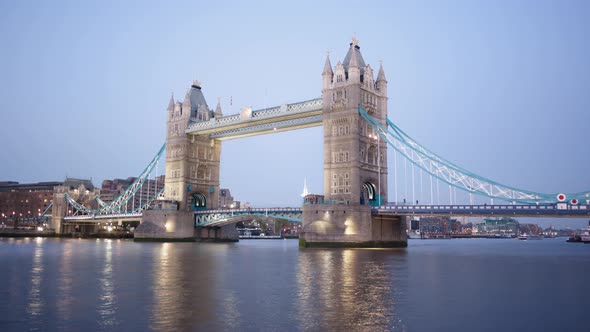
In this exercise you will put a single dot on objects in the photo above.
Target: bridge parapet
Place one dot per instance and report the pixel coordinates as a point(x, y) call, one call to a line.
point(541, 210)
point(208, 218)
point(267, 113)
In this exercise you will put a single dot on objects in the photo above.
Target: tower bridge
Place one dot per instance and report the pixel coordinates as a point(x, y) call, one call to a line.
point(353, 210)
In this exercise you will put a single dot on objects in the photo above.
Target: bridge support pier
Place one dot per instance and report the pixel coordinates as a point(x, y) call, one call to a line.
point(350, 226)
point(226, 233)
point(166, 225)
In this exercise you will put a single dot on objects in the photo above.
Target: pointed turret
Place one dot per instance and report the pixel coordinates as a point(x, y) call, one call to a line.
point(354, 57)
point(171, 103)
point(327, 74)
point(218, 112)
point(354, 64)
point(186, 104)
point(327, 66)
point(382, 81)
point(381, 75)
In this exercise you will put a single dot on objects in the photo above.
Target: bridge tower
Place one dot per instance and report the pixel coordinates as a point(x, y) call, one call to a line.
point(355, 156)
point(355, 161)
point(192, 162)
point(192, 171)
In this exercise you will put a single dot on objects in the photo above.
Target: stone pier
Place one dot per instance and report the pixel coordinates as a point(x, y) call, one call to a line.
point(350, 226)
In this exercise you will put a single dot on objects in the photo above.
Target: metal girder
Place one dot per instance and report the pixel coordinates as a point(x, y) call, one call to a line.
point(210, 218)
point(79, 207)
point(118, 202)
point(149, 202)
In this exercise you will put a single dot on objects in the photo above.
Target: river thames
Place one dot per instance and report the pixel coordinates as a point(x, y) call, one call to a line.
point(272, 285)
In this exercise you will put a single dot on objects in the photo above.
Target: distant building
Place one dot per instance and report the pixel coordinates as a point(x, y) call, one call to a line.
point(27, 201)
point(502, 226)
point(226, 200)
point(111, 189)
point(530, 229)
point(434, 225)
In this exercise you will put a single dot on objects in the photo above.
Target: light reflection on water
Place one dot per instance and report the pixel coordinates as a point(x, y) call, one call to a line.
point(347, 289)
point(106, 285)
point(36, 300)
point(107, 306)
point(65, 300)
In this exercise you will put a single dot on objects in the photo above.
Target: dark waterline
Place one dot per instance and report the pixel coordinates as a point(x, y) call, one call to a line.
point(433, 285)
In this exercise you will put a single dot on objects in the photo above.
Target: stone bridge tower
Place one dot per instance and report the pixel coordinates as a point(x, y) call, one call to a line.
point(355, 156)
point(355, 162)
point(192, 174)
point(192, 162)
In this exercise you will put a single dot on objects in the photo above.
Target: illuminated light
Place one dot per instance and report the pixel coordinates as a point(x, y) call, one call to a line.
point(110, 228)
point(40, 229)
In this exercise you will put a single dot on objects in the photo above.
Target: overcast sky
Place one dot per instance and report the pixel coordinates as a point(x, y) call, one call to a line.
point(498, 87)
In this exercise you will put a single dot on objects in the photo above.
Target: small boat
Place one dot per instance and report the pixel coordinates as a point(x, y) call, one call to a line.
point(584, 236)
point(574, 238)
point(523, 236)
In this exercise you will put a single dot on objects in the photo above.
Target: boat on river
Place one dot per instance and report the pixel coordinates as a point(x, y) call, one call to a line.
point(525, 236)
point(584, 236)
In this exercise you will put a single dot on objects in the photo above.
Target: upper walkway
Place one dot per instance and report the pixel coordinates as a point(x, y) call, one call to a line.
point(265, 121)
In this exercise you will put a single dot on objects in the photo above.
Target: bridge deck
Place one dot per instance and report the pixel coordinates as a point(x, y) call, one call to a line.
point(546, 211)
point(249, 123)
point(210, 218)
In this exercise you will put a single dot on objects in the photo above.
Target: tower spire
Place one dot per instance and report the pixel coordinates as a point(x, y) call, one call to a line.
point(171, 103)
point(218, 112)
point(328, 65)
point(381, 75)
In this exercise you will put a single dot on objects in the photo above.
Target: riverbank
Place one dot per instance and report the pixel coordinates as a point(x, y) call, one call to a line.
point(10, 232)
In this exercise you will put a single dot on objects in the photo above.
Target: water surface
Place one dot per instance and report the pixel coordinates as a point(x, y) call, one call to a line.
point(272, 285)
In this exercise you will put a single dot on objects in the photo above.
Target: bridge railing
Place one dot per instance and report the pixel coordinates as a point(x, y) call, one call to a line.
point(549, 209)
point(248, 210)
point(295, 108)
point(103, 216)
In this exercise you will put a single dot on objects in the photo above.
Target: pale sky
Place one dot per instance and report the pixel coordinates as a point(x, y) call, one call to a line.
point(498, 87)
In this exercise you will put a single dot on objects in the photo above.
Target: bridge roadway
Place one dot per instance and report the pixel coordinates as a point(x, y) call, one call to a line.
point(209, 218)
point(213, 218)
